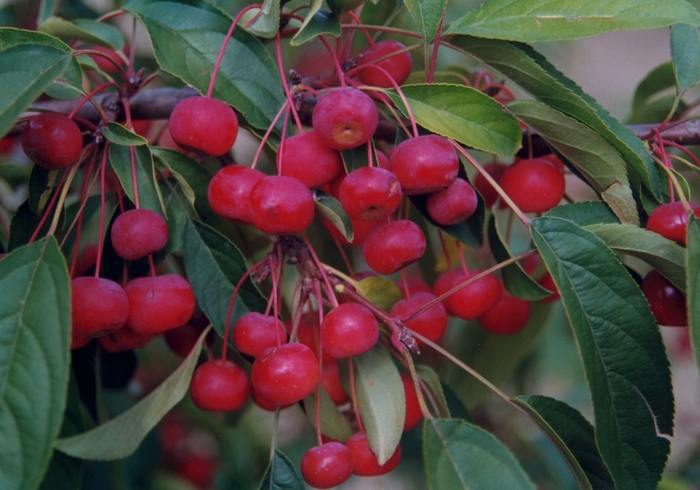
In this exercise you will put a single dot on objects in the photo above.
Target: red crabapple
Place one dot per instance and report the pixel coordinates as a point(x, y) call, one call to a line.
point(431, 324)
point(507, 317)
point(453, 204)
point(670, 220)
point(98, 305)
point(475, 299)
point(219, 385)
point(348, 330)
point(424, 164)
point(364, 460)
point(286, 374)
point(281, 205)
point(305, 157)
point(255, 332)
point(52, 141)
point(204, 125)
point(159, 303)
point(398, 66)
point(370, 193)
point(229, 192)
point(535, 185)
point(345, 118)
point(139, 232)
point(391, 246)
point(327, 466)
point(667, 302)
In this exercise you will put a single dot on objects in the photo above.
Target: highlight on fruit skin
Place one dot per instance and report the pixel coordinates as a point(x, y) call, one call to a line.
point(204, 125)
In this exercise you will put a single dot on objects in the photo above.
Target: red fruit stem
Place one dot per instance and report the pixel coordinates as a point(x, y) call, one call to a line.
point(94, 52)
point(321, 271)
point(525, 220)
point(283, 137)
point(220, 58)
point(88, 98)
point(404, 284)
point(354, 17)
point(480, 77)
point(229, 313)
point(445, 250)
point(132, 159)
point(285, 85)
point(341, 75)
point(343, 255)
point(48, 209)
point(276, 276)
point(267, 134)
point(662, 152)
point(111, 15)
point(317, 287)
point(132, 53)
point(460, 256)
point(436, 47)
point(151, 265)
point(500, 87)
point(85, 191)
point(100, 235)
point(353, 396)
point(677, 185)
point(687, 152)
point(416, 384)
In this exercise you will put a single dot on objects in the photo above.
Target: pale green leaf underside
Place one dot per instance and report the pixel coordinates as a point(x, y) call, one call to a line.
point(427, 15)
point(685, 53)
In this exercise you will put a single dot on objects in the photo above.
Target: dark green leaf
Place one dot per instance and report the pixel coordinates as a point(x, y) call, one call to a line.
point(23, 82)
point(378, 13)
point(34, 360)
point(533, 73)
point(214, 266)
point(660, 78)
point(573, 436)
point(427, 14)
point(470, 231)
point(317, 24)
point(462, 113)
point(584, 213)
point(281, 475)
point(86, 30)
point(664, 255)
point(46, 9)
point(693, 289)
point(149, 194)
point(267, 21)
point(455, 405)
point(552, 20)
point(657, 110)
point(329, 209)
point(122, 435)
point(187, 36)
point(685, 52)
point(178, 212)
point(119, 135)
point(41, 185)
point(380, 397)
point(459, 455)
point(339, 7)
point(623, 355)
point(69, 85)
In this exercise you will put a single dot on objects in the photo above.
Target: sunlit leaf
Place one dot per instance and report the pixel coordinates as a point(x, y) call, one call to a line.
point(122, 435)
point(267, 19)
point(427, 14)
point(34, 360)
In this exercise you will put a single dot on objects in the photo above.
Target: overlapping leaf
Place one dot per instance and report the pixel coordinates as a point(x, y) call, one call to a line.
point(685, 53)
point(693, 285)
point(86, 30)
point(427, 14)
point(281, 474)
point(148, 193)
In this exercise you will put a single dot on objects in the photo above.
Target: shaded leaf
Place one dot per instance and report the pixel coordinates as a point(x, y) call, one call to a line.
point(596, 160)
point(68, 85)
point(623, 356)
point(47, 8)
point(660, 78)
point(470, 231)
point(573, 436)
point(86, 30)
point(535, 75)
point(41, 185)
point(34, 360)
point(149, 193)
point(329, 208)
point(462, 113)
point(693, 287)
point(432, 381)
point(664, 255)
point(267, 20)
point(214, 266)
point(380, 397)
point(333, 423)
point(685, 53)
point(23, 82)
point(378, 13)
point(552, 20)
point(379, 291)
point(281, 475)
point(459, 455)
point(427, 14)
point(122, 435)
point(584, 213)
point(120, 135)
point(186, 37)
point(317, 24)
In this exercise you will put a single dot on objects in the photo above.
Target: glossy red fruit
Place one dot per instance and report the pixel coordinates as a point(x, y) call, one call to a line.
point(309, 334)
point(413, 285)
point(204, 125)
point(330, 379)
point(123, 339)
point(286, 374)
point(219, 385)
point(397, 66)
point(365, 462)
point(370, 193)
point(454, 204)
point(534, 185)
point(431, 324)
point(391, 246)
point(413, 412)
point(159, 303)
point(475, 299)
point(348, 330)
point(99, 306)
point(345, 118)
point(484, 187)
point(671, 220)
point(360, 228)
point(424, 164)
point(507, 317)
point(667, 302)
point(265, 404)
point(255, 332)
point(305, 157)
point(229, 192)
point(281, 205)
point(443, 284)
point(326, 466)
point(139, 232)
point(182, 339)
point(52, 141)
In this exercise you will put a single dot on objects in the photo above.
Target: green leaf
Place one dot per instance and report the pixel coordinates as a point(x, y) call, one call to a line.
point(23, 82)
point(535, 75)
point(267, 21)
point(41, 185)
point(685, 53)
point(432, 381)
point(623, 355)
point(378, 12)
point(122, 435)
point(187, 36)
point(379, 291)
point(214, 266)
point(553, 20)
point(584, 213)
point(459, 455)
point(693, 286)
point(427, 14)
point(149, 193)
point(660, 78)
point(119, 135)
point(664, 255)
point(281, 475)
point(34, 360)
point(329, 208)
point(380, 397)
point(597, 160)
point(462, 113)
point(573, 436)
point(333, 423)
point(86, 30)
point(69, 85)
point(317, 23)
point(47, 8)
